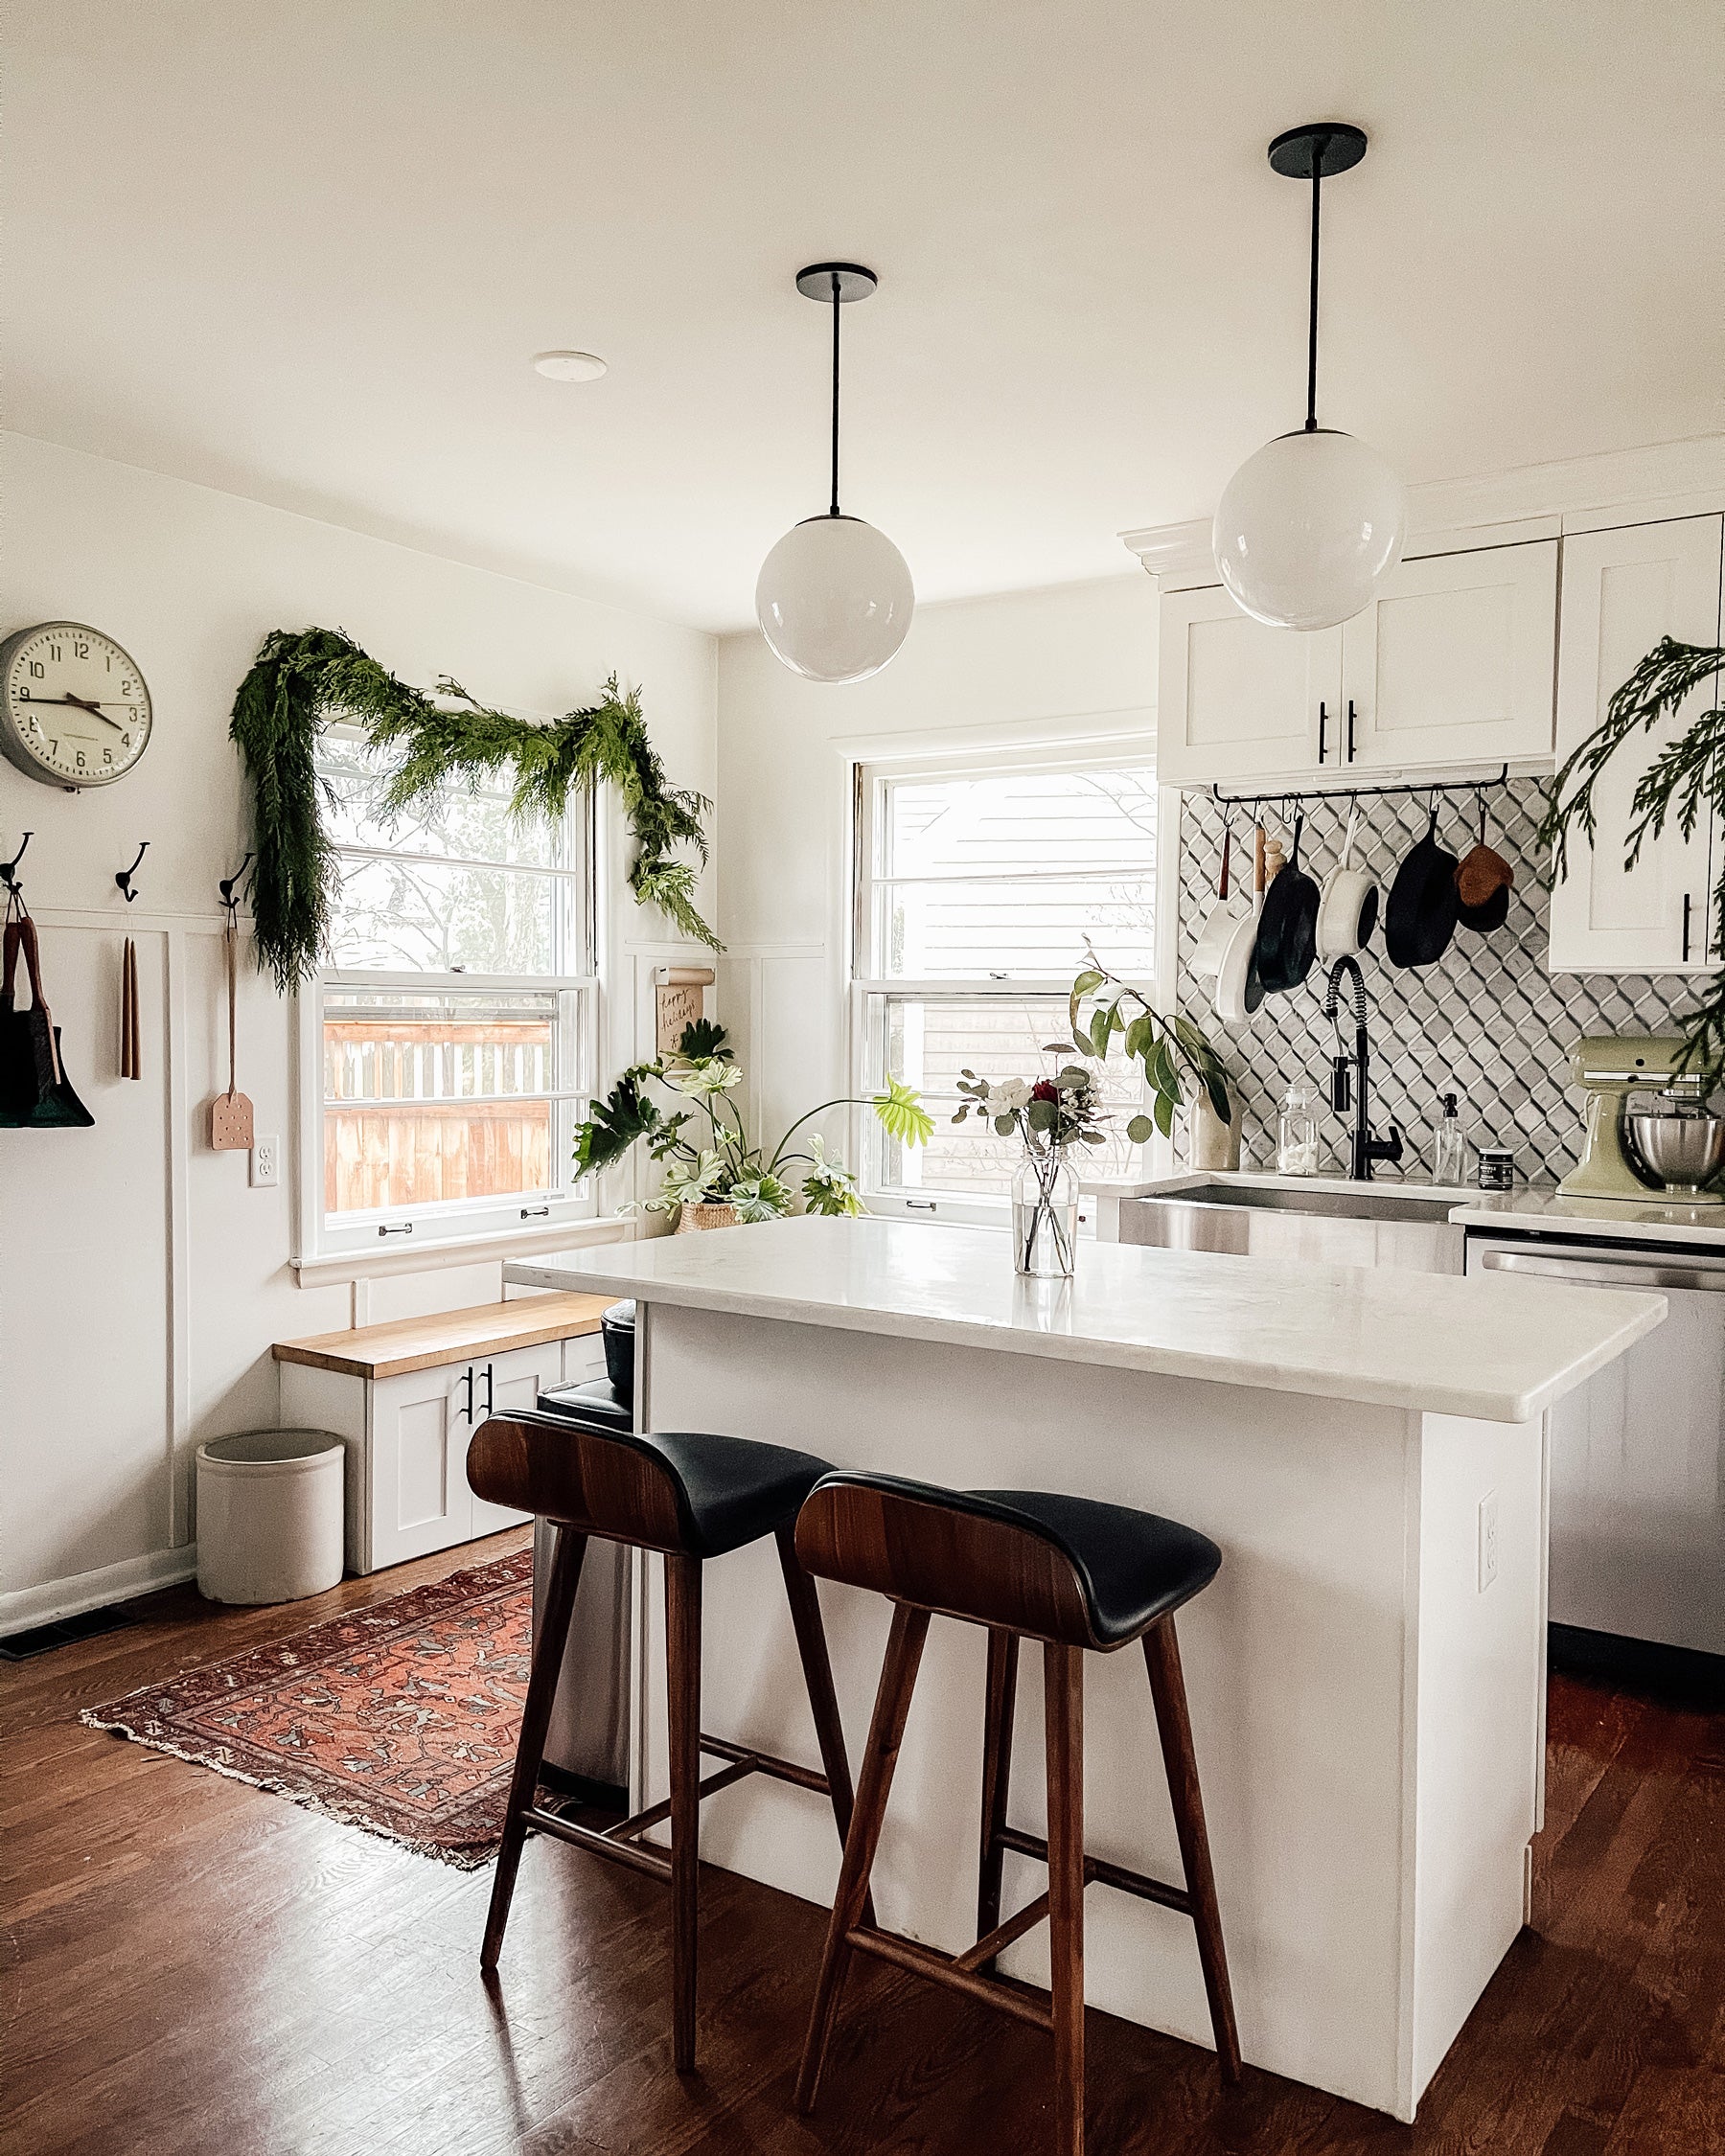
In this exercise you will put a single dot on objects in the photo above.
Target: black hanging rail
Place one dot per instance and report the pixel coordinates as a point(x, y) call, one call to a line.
point(1281, 795)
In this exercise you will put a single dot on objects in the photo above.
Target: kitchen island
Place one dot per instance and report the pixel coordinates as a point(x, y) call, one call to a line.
point(1366, 1675)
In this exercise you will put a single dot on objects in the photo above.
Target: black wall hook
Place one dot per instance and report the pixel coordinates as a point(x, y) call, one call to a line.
point(124, 877)
point(229, 886)
point(8, 869)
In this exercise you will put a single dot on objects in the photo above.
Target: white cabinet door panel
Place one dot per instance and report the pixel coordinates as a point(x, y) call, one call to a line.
point(420, 1499)
point(1622, 591)
point(1454, 664)
point(505, 1384)
point(1237, 701)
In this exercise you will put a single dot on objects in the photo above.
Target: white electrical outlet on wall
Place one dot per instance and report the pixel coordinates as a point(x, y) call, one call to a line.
point(1489, 1539)
point(265, 1162)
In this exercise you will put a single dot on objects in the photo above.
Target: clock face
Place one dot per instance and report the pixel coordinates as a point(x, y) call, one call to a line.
point(74, 710)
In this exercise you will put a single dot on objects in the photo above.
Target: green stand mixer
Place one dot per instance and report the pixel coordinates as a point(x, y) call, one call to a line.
point(1673, 1154)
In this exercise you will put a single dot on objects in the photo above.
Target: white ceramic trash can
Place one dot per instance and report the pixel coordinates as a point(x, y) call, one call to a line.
point(270, 1515)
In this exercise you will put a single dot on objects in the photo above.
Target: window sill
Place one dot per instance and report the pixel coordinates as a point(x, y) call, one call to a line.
point(468, 1250)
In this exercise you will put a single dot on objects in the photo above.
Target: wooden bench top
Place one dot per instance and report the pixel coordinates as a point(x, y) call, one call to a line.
point(452, 1336)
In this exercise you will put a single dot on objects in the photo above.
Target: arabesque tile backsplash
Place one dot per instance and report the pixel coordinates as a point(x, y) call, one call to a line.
point(1488, 1022)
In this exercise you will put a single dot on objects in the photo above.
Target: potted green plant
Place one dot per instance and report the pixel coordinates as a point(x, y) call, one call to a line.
point(685, 1107)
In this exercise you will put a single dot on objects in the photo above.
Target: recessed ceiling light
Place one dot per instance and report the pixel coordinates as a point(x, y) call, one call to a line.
point(570, 366)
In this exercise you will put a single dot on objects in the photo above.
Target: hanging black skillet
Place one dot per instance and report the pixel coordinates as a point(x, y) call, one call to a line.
point(1424, 904)
point(1287, 938)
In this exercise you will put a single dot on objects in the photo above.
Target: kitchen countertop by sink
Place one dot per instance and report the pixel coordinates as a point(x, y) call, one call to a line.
point(1526, 1211)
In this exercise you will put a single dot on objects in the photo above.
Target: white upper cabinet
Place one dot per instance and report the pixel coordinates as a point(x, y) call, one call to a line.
point(1454, 662)
point(1622, 591)
point(1452, 665)
point(1237, 701)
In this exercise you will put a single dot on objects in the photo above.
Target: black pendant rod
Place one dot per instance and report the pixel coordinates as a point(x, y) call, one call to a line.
point(1311, 419)
point(834, 509)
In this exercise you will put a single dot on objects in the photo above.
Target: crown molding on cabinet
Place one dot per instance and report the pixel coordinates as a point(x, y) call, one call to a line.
point(1534, 501)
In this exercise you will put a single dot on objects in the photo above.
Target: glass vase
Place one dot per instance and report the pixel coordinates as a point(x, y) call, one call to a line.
point(1044, 1217)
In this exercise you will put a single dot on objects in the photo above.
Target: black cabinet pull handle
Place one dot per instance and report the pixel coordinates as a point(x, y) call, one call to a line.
point(466, 1378)
point(1351, 729)
point(487, 1388)
point(1322, 723)
point(1686, 904)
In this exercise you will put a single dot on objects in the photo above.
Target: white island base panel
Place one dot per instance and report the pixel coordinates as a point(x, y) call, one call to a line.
point(1367, 1701)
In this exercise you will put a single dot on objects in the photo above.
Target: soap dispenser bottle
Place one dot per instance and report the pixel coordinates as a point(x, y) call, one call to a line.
point(1449, 1151)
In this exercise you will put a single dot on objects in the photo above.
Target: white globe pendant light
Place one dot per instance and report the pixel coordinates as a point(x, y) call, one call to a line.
point(834, 598)
point(1308, 528)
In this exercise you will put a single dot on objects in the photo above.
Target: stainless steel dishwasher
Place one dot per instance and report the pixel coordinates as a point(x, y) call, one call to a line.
point(1638, 1467)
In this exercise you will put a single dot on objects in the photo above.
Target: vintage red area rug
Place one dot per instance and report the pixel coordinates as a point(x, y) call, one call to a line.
point(401, 1718)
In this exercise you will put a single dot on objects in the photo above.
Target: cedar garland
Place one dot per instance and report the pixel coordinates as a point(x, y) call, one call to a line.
point(302, 678)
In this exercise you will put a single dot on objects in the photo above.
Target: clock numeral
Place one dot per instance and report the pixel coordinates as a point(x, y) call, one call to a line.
point(80, 759)
point(81, 648)
point(126, 688)
point(125, 740)
point(53, 652)
point(36, 670)
point(107, 756)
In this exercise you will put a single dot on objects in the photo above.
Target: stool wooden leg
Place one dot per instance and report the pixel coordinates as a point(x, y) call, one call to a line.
point(682, 1689)
point(885, 1734)
point(1063, 1692)
point(1168, 1688)
point(818, 1675)
point(569, 1548)
point(996, 1772)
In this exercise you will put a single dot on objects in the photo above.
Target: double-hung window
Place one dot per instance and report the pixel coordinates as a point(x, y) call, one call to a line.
point(976, 887)
point(450, 1036)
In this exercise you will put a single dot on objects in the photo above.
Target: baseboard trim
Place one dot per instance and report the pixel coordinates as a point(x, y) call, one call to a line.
point(24, 1608)
point(1679, 1676)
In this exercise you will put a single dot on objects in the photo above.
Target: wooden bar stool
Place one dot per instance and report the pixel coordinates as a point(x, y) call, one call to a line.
point(1076, 1575)
point(690, 1498)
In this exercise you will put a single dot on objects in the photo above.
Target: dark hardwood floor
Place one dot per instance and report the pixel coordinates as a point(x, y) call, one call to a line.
point(192, 1965)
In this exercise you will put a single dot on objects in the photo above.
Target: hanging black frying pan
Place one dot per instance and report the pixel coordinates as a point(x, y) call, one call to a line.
point(1287, 937)
point(1424, 904)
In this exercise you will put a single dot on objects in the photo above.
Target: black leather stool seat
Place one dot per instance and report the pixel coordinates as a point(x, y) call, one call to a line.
point(593, 1404)
point(733, 1489)
point(1135, 1567)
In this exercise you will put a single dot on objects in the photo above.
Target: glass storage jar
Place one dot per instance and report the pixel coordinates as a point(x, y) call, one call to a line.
point(1297, 1143)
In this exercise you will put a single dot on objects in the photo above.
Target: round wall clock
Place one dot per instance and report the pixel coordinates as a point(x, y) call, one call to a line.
point(74, 710)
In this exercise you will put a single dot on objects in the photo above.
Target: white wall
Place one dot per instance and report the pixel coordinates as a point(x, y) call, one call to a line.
point(1075, 663)
point(141, 1282)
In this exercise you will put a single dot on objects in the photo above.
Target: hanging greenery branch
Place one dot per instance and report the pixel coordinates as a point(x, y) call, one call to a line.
point(1685, 782)
point(1172, 1050)
point(301, 680)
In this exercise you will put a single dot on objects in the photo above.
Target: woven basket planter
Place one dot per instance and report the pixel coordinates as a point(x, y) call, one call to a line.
point(692, 1219)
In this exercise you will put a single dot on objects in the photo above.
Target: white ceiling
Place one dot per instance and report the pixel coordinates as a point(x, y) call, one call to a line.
point(304, 252)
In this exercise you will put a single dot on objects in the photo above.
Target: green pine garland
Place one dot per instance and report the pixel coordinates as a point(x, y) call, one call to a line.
point(300, 679)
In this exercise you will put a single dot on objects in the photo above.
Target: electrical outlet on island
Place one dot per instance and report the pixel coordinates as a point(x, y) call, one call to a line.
point(265, 1162)
point(1489, 1540)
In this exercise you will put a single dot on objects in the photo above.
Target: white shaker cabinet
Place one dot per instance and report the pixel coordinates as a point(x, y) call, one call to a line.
point(406, 1399)
point(1622, 591)
point(1238, 701)
point(1454, 662)
point(1450, 666)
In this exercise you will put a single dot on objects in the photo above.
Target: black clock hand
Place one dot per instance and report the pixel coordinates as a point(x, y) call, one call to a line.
point(82, 703)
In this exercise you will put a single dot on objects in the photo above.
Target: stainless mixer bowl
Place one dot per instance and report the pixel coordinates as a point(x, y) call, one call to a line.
point(1685, 1152)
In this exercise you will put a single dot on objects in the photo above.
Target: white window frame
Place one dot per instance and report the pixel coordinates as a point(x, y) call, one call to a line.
point(454, 1222)
point(870, 775)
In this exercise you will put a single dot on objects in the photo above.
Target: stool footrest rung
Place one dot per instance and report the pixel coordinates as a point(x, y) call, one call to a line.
point(767, 1763)
point(649, 1861)
point(1021, 2000)
point(628, 1829)
point(1003, 1936)
point(1103, 1873)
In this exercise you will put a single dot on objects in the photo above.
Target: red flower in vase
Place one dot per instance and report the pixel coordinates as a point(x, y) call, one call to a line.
point(1045, 1090)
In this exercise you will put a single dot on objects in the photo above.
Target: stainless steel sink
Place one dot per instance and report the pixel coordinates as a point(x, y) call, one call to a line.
point(1363, 1204)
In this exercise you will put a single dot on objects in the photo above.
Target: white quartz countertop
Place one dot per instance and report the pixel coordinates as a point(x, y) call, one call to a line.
point(1542, 1212)
point(1498, 1348)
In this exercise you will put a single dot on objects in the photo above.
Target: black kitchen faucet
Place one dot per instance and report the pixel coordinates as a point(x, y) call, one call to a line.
point(1350, 1079)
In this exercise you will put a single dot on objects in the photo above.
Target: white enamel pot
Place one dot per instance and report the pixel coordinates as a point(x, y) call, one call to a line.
point(1238, 989)
point(1347, 906)
point(1220, 923)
